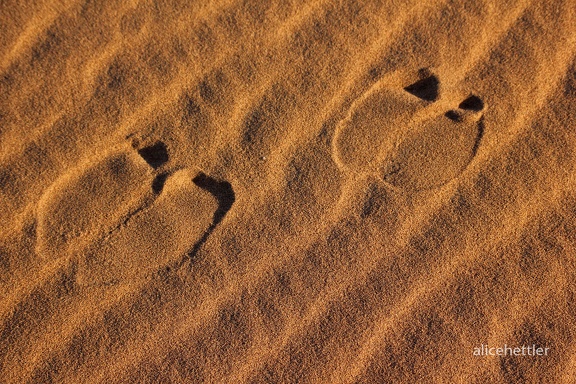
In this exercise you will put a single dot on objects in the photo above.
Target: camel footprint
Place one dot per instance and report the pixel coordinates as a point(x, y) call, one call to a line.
point(124, 216)
point(409, 135)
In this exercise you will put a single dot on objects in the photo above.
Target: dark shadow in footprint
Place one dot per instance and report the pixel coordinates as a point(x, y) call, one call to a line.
point(221, 190)
point(478, 137)
point(472, 103)
point(426, 89)
point(158, 182)
point(155, 155)
point(454, 115)
point(224, 194)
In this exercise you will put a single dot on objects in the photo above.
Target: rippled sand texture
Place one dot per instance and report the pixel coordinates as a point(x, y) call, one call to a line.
point(287, 191)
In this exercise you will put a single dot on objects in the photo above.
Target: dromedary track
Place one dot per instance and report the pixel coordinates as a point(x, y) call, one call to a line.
point(403, 134)
point(129, 200)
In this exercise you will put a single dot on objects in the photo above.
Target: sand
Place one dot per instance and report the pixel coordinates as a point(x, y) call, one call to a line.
point(251, 191)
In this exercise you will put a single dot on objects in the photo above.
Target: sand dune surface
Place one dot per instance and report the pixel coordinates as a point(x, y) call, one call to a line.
point(251, 191)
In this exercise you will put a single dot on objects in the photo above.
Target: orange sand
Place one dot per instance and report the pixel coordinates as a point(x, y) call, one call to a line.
point(252, 191)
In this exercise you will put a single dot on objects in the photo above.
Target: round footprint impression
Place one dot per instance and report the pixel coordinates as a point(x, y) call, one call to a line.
point(408, 136)
point(123, 216)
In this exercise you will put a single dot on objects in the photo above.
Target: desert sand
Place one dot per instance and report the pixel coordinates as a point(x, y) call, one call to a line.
point(253, 191)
